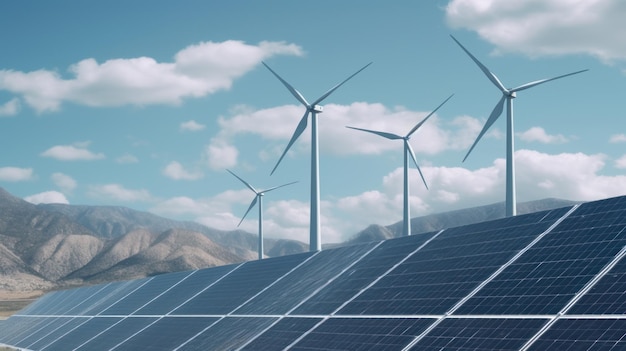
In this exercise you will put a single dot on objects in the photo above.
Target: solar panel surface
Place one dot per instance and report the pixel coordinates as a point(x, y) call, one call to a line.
point(548, 280)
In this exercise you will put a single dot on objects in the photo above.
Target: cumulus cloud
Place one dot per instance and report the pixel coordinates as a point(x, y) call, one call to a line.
point(127, 159)
point(47, 197)
point(621, 162)
point(76, 152)
point(191, 126)
point(196, 71)
point(546, 27)
point(10, 108)
point(278, 124)
point(618, 138)
point(571, 176)
point(118, 192)
point(539, 134)
point(64, 182)
point(176, 171)
point(15, 174)
point(220, 154)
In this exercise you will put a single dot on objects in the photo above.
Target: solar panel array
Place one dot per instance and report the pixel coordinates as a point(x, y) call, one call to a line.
point(548, 280)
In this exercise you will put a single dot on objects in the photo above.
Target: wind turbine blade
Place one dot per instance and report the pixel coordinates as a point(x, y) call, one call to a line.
point(337, 86)
point(497, 111)
point(249, 208)
point(296, 134)
point(382, 134)
point(243, 181)
point(408, 146)
point(537, 82)
point(424, 120)
point(492, 77)
point(276, 187)
point(291, 89)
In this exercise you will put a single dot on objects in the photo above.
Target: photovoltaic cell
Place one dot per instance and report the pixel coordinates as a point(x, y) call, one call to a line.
point(112, 295)
point(48, 335)
point(363, 334)
point(583, 334)
point(81, 334)
point(300, 283)
point(184, 290)
point(145, 293)
point(228, 334)
point(608, 296)
point(117, 333)
point(166, 334)
point(549, 275)
point(480, 334)
point(364, 272)
point(282, 334)
point(433, 279)
point(240, 285)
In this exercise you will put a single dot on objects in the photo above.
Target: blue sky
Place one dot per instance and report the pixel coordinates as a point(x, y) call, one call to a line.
point(145, 104)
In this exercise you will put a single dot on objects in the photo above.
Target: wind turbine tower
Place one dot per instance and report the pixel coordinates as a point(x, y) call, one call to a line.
point(313, 109)
point(258, 197)
point(408, 150)
point(507, 96)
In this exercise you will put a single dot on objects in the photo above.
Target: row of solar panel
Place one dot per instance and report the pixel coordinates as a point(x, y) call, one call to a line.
point(525, 265)
point(311, 333)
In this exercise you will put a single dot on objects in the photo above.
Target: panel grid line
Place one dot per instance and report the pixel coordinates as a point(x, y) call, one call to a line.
point(274, 282)
point(207, 287)
point(386, 273)
point(310, 295)
point(490, 278)
point(575, 299)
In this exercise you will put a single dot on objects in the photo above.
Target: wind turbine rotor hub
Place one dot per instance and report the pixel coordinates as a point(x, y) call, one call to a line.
point(317, 108)
point(512, 94)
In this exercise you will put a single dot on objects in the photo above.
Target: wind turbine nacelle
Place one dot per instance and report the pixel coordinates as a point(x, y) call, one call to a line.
point(513, 95)
point(318, 109)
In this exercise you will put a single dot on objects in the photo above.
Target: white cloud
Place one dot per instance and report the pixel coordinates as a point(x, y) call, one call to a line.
point(10, 108)
point(618, 138)
point(546, 27)
point(221, 155)
point(15, 174)
point(191, 126)
point(197, 70)
point(176, 171)
point(63, 181)
point(621, 162)
point(47, 197)
point(279, 123)
point(118, 192)
point(571, 176)
point(76, 152)
point(127, 159)
point(540, 135)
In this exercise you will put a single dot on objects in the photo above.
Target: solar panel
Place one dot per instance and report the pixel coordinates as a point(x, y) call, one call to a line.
point(583, 334)
point(548, 280)
point(480, 334)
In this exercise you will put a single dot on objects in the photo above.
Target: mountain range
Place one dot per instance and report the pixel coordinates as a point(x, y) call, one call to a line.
point(51, 246)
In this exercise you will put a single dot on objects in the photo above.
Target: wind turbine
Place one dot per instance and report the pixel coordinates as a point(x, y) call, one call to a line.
point(259, 198)
point(313, 109)
point(507, 95)
point(408, 150)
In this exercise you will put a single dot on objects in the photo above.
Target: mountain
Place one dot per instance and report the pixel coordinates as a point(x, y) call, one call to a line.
point(54, 245)
point(455, 218)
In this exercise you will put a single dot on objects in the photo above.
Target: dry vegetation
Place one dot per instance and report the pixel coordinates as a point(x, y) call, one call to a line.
point(13, 301)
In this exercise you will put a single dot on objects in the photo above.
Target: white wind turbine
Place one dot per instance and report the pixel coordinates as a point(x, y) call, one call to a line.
point(259, 198)
point(313, 109)
point(408, 150)
point(507, 95)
